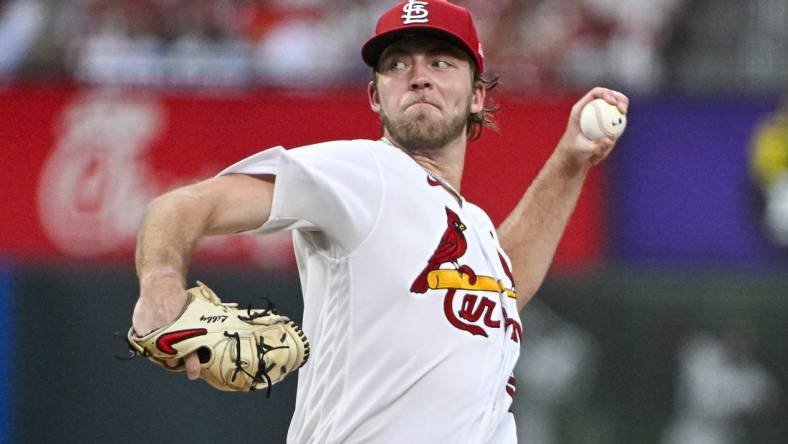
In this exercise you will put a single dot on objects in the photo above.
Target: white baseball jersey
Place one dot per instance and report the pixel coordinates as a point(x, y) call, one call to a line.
point(408, 300)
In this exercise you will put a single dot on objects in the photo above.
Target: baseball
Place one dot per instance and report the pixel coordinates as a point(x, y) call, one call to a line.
point(599, 118)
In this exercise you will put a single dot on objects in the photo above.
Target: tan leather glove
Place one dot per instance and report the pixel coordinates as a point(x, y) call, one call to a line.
point(239, 350)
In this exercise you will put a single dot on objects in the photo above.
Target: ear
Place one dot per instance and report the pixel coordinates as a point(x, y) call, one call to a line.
point(373, 96)
point(477, 99)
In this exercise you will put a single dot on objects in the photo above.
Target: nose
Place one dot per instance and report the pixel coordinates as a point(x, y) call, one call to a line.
point(419, 77)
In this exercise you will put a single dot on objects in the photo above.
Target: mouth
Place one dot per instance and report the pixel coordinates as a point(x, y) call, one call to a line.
point(419, 103)
point(420, 100)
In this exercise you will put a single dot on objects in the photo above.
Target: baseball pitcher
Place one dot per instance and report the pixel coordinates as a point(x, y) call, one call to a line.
point(411, 294)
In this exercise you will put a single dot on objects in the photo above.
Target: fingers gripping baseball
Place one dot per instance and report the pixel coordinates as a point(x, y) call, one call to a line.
point(593, 146)
point(608, 95)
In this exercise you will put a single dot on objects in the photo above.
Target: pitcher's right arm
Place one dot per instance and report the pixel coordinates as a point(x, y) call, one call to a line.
point(172, 226)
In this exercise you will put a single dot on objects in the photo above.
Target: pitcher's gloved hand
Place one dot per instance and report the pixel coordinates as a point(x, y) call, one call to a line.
point(239, 349)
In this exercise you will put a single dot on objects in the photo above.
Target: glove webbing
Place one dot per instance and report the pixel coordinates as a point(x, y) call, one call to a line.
point(270, 309)
point(262, 370)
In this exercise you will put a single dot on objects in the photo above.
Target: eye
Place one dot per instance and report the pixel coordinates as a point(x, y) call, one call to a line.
point(396, 65)
point(441, 64)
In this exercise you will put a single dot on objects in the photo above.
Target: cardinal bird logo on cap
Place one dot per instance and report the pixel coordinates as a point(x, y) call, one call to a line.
point(450, 248)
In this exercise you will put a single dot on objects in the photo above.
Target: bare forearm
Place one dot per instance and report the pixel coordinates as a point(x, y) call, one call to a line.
point(174, 223)
point(170, 229)
point(530, 234)
point(532, 231)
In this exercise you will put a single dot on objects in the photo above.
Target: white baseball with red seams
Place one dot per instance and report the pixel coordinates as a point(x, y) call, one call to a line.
point(599, 119)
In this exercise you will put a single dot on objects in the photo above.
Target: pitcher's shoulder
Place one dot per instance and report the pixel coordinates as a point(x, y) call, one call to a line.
point(337, 148)
point(479, 215)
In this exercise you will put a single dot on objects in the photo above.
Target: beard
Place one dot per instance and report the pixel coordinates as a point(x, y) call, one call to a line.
point(420, 133)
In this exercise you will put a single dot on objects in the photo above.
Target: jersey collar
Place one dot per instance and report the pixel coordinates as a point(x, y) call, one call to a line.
point(435, 176)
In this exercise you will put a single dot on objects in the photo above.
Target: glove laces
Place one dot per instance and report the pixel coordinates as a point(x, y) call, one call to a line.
point(261, 376)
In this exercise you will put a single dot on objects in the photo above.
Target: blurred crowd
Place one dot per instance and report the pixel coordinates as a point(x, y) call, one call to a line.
point(534, 45)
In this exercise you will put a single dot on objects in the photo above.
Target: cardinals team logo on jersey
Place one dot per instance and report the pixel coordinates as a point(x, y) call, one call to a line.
point(474, 309)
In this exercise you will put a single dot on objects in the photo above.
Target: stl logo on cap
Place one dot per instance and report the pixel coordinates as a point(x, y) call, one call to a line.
point(415, 12)
point(436, 18)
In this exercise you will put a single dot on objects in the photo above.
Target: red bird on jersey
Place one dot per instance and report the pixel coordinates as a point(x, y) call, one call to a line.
point(450, 248)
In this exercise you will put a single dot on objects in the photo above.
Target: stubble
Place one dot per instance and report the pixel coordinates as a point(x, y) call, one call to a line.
point(420, 133)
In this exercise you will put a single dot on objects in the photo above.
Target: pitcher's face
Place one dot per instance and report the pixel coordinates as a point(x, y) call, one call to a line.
point(424, 92)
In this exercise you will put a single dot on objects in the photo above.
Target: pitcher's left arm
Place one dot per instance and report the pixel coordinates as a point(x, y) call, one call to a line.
point(531, 232)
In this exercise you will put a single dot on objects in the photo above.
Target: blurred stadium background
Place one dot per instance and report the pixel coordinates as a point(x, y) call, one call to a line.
point(663, 320)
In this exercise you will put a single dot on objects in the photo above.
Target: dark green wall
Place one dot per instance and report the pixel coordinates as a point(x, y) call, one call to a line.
point(70, 388)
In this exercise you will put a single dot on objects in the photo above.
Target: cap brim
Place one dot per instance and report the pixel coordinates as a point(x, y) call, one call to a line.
point(375, 46)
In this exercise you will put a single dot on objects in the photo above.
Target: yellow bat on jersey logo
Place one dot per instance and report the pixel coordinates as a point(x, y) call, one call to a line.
point(446, 279)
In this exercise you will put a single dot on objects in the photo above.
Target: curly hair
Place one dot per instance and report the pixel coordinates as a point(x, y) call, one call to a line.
point(485, 117)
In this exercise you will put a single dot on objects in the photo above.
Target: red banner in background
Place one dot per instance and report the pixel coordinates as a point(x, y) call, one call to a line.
point(82, 164)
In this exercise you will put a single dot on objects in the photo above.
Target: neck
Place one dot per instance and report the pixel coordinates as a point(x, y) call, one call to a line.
point(447, 162)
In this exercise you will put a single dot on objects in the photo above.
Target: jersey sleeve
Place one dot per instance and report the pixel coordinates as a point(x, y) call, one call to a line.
point(333, 188)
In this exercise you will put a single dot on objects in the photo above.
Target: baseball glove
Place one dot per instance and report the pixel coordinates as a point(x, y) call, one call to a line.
point(239, 350)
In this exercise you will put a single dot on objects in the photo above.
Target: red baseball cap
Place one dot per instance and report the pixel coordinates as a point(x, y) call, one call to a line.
point(436, 18)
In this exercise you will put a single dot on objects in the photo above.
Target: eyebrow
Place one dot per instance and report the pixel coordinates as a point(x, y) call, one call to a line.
point(442, 49)
point(446, 49)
